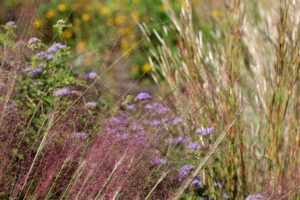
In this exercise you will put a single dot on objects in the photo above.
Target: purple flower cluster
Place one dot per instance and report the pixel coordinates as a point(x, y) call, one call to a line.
point(32, 40)
point(255, 197)
point(37, 83)
point(178, 140)
point(197, 181)
point(157, 107)
point(43, 56)
point(184, 171)
point(130, 107)
point(217, 184)
point(11, 24)
point(194, 146)
point(205, 131)
point(91, 75)
point(62, 91)
point(158, 161)
point(176, 120)
point(55, 47)
point(32, 72)
point(142, 96)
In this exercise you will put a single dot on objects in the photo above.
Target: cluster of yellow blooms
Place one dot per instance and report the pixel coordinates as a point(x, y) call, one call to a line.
point(111, 13)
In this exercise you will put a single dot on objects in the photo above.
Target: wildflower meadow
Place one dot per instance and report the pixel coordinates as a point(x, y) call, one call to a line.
point(149, 99)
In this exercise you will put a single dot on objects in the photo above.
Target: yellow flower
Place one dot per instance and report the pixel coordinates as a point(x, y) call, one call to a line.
point(124, 31)
point(146, 67)
point(85, 17)
point(68, 33)
point(135, 69)
point(50, 13)
point(36, 24)
point(216, 13)
point(136, 1)
point(62, 7)
point(183, 4)
point(104, 10)
point(124, 44)
point(119, 19)
point(136, 15)
point(163, 7)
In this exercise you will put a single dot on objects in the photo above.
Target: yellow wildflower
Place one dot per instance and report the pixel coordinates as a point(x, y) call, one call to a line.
point(85, 17)
point(146, 68)
point(124, 31)
point(183, 4)
point(135, 69)
point(119, 19)
point(62, 7)
point(136, 15)
point(68, 33)
point(50, 13)
point(124, 44)
point(163, 7)
point(36, 24)
point(105, 10)
point(216, 13)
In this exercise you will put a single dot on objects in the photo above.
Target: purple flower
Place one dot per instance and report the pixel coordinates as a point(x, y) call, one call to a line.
point(49, 57)
point(41, 65)
point(142, 96)
point(27, 69)
point(62, 91)
point(91, 75)
point(11, 24)
point(39, 54)
point(154, 122)
point(131, 106)
point(205, 131)
point(225, 195)
point(194, 146)
point(184, 171)
point(178, 140)
point(2, 85)
point(255, 197)
point(82, 135)
point(55, 47)
point(121, 119)
point(158, 161)
point(124, 136)
point(91, 104)
point(32, 40)
point(36, 71)
point(217, 184)
point(148, 106)
point(37, 83)
point(163, 109)
point(196, 182)
point(11, 106)
point(177, 120)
